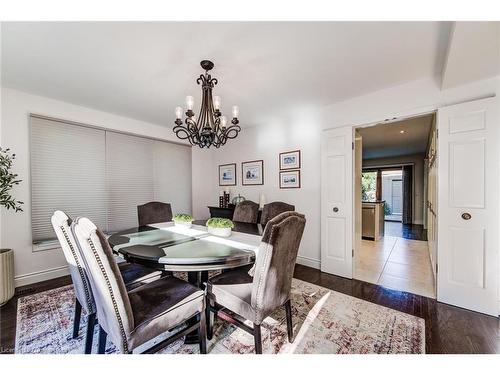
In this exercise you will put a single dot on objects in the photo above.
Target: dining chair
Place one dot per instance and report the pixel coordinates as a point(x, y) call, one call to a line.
point(133, 276)
point(253, 295)
point(273, 209)
point(154, 212)
point(246, 212)
point(132, 318)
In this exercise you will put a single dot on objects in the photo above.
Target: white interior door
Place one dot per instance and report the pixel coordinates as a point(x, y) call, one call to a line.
point(336, 201)
point(468, 205)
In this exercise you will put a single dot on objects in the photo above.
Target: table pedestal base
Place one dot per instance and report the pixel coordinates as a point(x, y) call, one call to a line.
point(198, 279)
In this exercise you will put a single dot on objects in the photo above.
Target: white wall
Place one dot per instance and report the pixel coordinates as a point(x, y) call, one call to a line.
point(302, 130)
point(16, 228)
point(418, 184)
point(266, 142)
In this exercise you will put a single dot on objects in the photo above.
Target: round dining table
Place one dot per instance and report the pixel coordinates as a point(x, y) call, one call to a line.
point(177, 248)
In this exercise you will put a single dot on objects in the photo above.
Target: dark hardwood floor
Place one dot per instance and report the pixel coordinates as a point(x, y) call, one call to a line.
point(408, 231)
point(448, 329)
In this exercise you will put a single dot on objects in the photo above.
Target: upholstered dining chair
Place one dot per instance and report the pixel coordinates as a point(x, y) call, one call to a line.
point(253, 295)
point(273, 209)
point(132, 318)
point(246, 212)
point(154, 212)
point(133, 276)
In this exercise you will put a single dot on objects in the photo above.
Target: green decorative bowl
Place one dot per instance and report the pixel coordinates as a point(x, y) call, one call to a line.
point(238, 199)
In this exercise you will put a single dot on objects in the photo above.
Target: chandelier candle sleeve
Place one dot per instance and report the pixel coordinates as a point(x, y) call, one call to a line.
point(209, 127)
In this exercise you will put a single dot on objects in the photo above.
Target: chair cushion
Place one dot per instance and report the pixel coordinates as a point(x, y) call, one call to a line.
point(135, 275)
point(162, 305)
point(233, 290)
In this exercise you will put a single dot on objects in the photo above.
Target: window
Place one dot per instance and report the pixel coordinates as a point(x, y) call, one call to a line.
point(102, 175)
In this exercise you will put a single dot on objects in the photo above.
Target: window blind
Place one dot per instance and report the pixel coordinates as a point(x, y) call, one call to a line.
point(102, 175)
point(129, 171)
point(67, 173)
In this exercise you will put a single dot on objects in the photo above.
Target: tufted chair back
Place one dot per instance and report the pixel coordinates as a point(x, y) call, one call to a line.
point(83, 291)
point(114, 311)
point(275, 262)
point(154, 212)
point(273, 209)
point(246, 212)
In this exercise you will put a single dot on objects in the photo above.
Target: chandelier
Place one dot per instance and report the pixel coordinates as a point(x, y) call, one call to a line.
point(210, 128)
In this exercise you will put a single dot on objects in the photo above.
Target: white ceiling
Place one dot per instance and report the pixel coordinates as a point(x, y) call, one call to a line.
point(386, 140)
point(473, 54)
point(143, 70)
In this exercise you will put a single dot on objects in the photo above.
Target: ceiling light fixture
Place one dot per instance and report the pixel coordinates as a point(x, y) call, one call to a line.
point(211, 127)
point(402, 131)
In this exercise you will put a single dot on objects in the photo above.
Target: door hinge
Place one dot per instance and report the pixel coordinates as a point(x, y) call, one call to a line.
point(436, 268)
point(353, 253)
point(352, 143)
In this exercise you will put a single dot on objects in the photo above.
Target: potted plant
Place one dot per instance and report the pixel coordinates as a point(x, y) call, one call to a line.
point(185, 220)
point(219, 226)
point(7, 182)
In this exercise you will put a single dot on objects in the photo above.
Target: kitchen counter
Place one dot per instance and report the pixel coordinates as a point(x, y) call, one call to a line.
point(373, 220)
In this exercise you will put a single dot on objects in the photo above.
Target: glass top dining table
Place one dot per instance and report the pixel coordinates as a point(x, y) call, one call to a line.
point(170, 247)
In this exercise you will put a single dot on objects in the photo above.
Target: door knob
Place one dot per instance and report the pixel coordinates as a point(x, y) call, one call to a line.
point(466, 216)
point(335, 209)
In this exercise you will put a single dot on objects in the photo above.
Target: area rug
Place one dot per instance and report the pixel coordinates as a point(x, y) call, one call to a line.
point(324, 321)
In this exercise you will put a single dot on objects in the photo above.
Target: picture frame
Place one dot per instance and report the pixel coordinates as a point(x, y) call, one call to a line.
point(290, 179)
point(252, 172)
point(289, 160)
point(227, 174)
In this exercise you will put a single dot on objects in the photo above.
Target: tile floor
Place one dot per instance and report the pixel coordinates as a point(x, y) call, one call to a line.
point(396, 263)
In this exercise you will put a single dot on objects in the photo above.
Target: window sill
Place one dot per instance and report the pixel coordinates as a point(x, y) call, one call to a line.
point(45, 245)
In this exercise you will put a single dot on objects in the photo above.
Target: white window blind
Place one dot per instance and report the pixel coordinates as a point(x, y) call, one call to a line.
point(67, 173)
point(129, 171)
point(172, 174)
point(103, 175)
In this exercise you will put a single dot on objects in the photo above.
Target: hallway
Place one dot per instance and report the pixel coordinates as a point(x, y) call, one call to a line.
point(396, 263)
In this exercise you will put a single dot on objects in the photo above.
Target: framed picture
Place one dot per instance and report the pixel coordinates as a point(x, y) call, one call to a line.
point(227, 174)
point(252, 172)
point(290, 160)
point(290, 179)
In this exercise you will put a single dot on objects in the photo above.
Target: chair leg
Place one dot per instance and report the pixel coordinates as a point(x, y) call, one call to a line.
point(76, 319)
point(202, 332)
point(289, 323)
point(257, 338)
point(102, 341)
point(89, 338)
point(210, 317)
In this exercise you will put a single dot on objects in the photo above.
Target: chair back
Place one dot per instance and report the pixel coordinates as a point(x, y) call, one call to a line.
point(83, 291)
point(246, 212)
point(114, 311)
point(273, 209)
point(154, 212)
point(275, 262)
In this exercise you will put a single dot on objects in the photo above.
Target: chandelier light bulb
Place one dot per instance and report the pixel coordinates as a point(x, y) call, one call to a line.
point(236, 111)
point(189, 102)
point(178, 112)
point(223, 121)
point(217, 102)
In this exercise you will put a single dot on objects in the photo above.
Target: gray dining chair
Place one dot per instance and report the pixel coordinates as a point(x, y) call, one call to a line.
point(132, 318)
point(154, 212)
point(133, 276)
point(253, 295)
point(246, 212)
point(273, 209)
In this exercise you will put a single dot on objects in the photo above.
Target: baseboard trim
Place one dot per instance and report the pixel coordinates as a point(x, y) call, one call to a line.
point(310, 262)
point(35, 277)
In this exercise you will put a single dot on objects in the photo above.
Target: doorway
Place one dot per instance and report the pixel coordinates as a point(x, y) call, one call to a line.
point(394, 167)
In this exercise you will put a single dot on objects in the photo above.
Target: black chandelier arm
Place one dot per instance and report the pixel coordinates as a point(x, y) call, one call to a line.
point(233, 131)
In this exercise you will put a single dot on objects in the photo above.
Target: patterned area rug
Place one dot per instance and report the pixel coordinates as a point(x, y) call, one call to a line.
point(324, 321)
